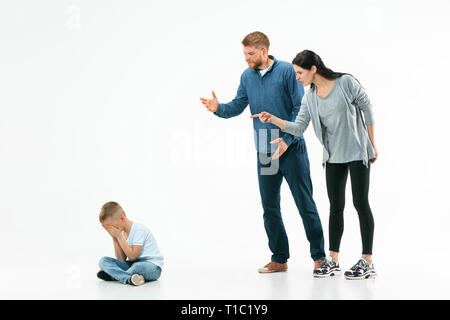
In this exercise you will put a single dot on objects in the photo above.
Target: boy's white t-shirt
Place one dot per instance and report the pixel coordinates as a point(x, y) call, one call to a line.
point(140, 235)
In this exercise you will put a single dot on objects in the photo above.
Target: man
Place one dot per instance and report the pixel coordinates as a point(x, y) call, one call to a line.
point(270, 85)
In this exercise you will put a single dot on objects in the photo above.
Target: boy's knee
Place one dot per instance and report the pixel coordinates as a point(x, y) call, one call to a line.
point(153, 274)
point(103, 262)
point(154, 277)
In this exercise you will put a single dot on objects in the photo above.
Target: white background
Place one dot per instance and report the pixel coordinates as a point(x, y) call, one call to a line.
point(99, 101)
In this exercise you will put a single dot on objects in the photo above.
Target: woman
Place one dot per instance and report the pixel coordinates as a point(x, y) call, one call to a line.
point(335, 104)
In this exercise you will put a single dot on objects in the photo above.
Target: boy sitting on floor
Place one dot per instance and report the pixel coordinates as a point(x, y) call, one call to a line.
point(133, 241)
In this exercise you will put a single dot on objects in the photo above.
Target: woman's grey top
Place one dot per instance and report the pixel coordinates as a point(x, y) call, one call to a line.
point(338, 136)
point(338, 122)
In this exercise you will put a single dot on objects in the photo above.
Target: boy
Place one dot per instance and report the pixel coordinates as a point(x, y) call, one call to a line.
point(133, 241)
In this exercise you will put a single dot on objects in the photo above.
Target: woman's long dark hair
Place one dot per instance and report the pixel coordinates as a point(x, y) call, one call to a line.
point(307, 58)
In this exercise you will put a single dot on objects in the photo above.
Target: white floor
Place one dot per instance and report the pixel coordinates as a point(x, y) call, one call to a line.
point(219, 281)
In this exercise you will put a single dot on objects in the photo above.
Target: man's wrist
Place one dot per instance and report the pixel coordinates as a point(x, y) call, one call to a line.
point(287, 138)
point(217, 110)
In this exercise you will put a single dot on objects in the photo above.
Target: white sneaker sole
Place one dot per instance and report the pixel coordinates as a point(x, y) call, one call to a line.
point(331, 274)
point(265, 270)
point(137, 279)
point(363, 277)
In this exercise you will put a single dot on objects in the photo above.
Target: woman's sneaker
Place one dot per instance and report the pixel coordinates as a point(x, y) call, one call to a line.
point(328, 268)
point(361, 270)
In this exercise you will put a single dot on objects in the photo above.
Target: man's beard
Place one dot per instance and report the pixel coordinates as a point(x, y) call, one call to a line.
point(258, 65)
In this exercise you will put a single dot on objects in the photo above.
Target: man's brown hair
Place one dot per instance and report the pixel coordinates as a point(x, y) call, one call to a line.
point(110, 209)
point(256, 39)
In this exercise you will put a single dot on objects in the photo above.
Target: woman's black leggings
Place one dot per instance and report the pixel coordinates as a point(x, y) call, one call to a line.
point(336, 176)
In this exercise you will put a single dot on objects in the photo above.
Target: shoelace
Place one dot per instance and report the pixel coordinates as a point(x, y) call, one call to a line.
point(359, 265)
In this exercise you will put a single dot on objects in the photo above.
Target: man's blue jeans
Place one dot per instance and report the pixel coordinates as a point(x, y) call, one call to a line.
point(122, 270)
point(293, 165)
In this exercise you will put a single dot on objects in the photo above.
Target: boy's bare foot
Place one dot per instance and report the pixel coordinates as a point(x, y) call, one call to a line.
point(136, 280)
point(273, 267)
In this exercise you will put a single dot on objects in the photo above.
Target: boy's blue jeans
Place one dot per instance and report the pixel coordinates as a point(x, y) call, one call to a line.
point(293, 165)
point(122, 270)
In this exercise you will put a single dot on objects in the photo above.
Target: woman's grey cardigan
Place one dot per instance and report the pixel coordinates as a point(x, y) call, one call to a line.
point(357, 103)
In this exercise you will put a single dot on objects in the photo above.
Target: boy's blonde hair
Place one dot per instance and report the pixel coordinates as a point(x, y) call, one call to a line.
point(110, 209)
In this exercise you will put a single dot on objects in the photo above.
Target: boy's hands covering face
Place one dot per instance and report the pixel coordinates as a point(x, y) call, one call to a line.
point(113, 231)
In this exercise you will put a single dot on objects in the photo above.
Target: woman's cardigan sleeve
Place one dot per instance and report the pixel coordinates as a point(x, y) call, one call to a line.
point(360, 98)
point(301, 122)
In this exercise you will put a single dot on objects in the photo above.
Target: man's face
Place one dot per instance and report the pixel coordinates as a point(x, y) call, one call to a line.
point(305, 76)
point(254, 56)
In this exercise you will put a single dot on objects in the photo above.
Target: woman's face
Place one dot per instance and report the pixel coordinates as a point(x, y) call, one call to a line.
point(305, 76)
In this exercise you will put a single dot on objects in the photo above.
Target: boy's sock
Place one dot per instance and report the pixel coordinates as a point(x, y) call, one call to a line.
point(104, 276)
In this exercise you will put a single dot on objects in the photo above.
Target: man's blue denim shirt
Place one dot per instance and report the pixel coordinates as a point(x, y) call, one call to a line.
point(277, 92)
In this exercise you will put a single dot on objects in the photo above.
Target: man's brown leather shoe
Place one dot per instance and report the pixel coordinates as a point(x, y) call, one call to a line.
point(273, 267)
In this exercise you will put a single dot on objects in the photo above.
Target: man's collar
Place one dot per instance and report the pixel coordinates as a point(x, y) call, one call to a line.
point(271, 66)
